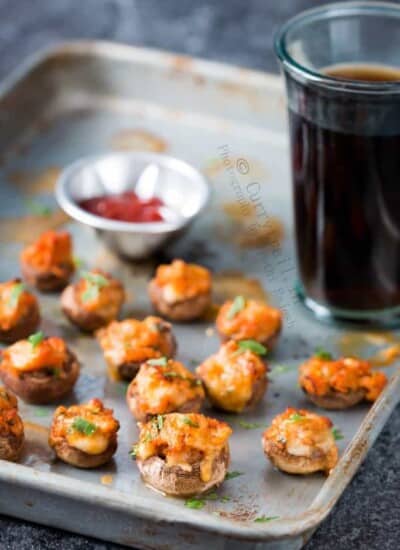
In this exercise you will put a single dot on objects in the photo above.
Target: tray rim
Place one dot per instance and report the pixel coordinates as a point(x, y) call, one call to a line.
point(73, 489)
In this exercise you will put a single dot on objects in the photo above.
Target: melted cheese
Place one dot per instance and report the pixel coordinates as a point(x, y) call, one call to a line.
point(23, 356)
point(161, 389)
point(49, 252)
point(257, 321)
point(230, 376)
point(321, 376)
point(181, 281)
point(134, 341)
point(185, 439)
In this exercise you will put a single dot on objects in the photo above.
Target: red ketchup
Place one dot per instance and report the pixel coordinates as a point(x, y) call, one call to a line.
point(124, 207)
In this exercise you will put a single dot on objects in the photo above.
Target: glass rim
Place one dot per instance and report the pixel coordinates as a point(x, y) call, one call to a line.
point(329, 11)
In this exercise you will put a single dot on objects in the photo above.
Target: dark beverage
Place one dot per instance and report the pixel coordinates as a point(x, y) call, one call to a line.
point(346, 172)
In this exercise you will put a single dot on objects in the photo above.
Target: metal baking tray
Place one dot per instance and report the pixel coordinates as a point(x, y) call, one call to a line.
point(83, 98)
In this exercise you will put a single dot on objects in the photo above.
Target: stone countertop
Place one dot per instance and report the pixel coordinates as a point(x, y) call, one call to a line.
point(233, 31)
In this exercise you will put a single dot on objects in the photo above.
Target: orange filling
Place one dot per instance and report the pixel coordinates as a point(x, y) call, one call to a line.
point(230, 376)
point(164, 388)
point(98, 291)
point(88, 428)
point(25, 357)
point(255, 320)
point(182, 438)
point(301, 433)
point(50, 252)
point(134, 341)
point(182, 281)
point(15, 303)
point(322, 376)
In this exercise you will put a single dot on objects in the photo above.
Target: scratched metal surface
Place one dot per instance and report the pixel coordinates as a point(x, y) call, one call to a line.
point(83, 99)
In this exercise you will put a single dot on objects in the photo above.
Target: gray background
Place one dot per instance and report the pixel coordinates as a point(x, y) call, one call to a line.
point(233, 31)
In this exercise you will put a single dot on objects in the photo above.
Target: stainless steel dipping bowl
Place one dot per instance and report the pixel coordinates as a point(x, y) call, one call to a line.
point(183, 190)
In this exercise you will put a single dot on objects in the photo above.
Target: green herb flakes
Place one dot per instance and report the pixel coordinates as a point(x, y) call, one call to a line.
point(337, 434)
point(189, 422)
point(321, 353)
point(195, 503)
point(250, 425)
point(252, 345)
point(237, 305)
point(295, 417)
point(83, 426)
point(265, 519)
point(158, 362)
point(232, 475)
point(15, 293)
point(36, 339)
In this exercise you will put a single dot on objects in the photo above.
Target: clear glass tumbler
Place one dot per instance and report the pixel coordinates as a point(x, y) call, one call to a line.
point(341, 64)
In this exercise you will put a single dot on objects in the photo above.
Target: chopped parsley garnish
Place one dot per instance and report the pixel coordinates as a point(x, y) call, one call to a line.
point(253, 346)
point(225, 499)
point(160, 422)
point(321, 353)
point(195, 503)
point(56, 372)
point(250, 425)
point(192, 381)
point(295, 417)
point(232, 475)
point(281, 369)
point(96, 282)
point(190, 422)
point(38, 209)
point(15, 293)
point(158, 362)
point(265, 519)
point(39, 412)
point(337, 434)
point(237, 305)
point(36, 339)
point(134, 451)
point(78, 262)
point(83, 426)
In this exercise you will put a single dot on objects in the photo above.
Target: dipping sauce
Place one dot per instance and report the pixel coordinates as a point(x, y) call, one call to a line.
point(124, 207)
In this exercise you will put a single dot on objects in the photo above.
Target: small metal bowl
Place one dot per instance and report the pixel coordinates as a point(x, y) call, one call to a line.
point(183, 190)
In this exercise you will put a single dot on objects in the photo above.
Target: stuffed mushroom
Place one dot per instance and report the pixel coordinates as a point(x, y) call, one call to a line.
point(162, 386)
point(84, 436)
point(181, 291)
point(94, 301)
point(340, 383)
point(19, 312)
point(245, 319)
point(11, 427)
point(48, 264)
point(301, 442)
point(235, 378)
point(39, 370)
point(127, 344)
point(183, 454)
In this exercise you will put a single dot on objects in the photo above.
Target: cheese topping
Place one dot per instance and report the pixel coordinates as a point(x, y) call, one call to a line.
point(181, 281)
point(98, 292)
point(255, 320)
point(301, 433)
point(24, 356)
point(322, 376)
point(183, 440)
point(15, 303)
point(230, 376)
point(88, 428)
point(50, 252)
point(160, 389)
point(134, 341)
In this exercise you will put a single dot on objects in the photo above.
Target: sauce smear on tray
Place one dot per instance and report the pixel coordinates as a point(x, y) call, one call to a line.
point(125, 207)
